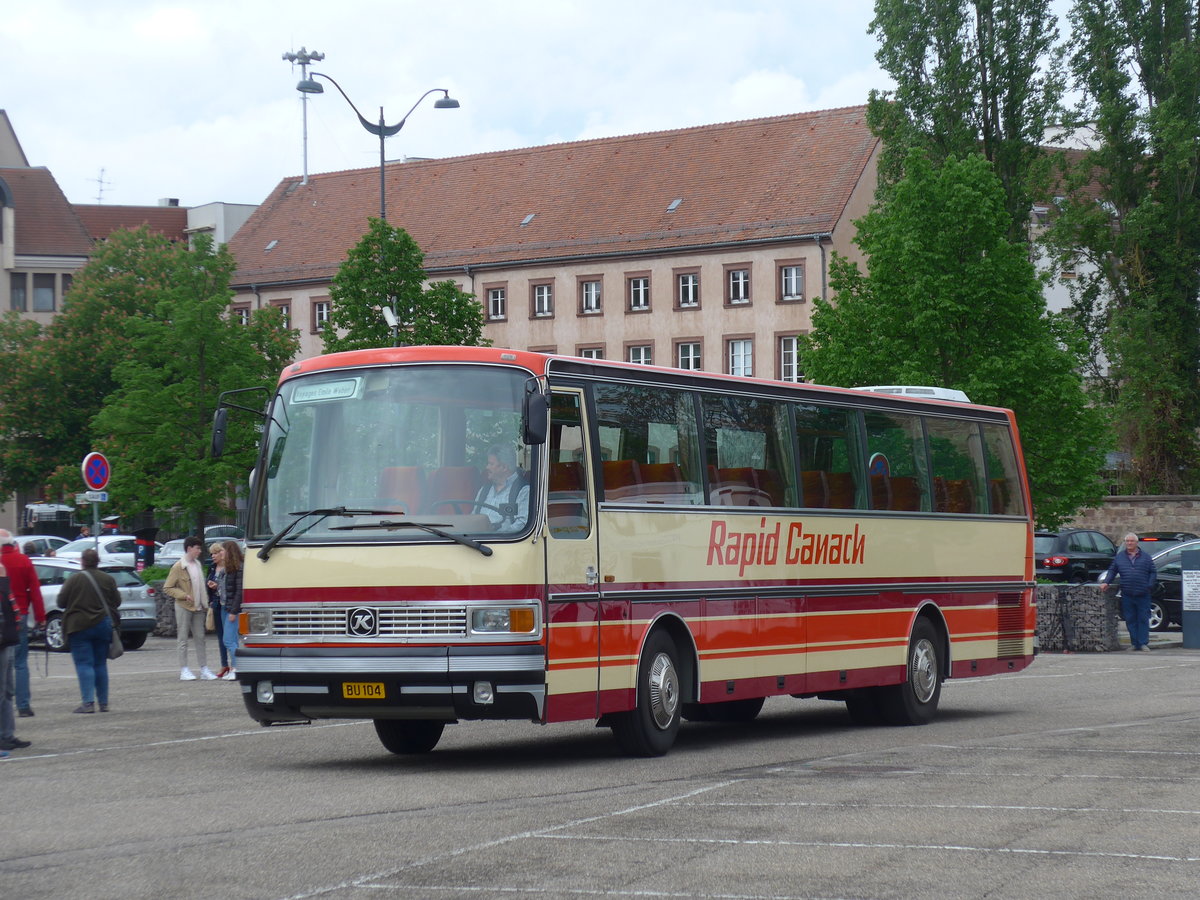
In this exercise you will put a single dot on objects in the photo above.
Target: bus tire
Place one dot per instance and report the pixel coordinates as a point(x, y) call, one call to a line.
point(409, 735)
point(863, 706)
point(915, 700)
point(651, 727)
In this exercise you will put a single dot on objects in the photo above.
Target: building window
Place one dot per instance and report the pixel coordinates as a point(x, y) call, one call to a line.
point(241, 315)
point(17, 284)
point(791, 282)
point(639, 293)
point(320, 315)
point(43, 293)
point(543, 300)
point(589, 297)
point(591, 352)
point(687, 290)
point(285, 310)
point(789, 359)
point(741, 356)
point(497, 304)
point(687, 355)
point(737, 285)
point(641, 354)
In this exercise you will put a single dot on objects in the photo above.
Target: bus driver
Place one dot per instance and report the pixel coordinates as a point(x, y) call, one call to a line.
point(505, 498)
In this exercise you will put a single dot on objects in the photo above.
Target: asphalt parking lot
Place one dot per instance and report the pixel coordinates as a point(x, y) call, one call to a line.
point(1077, 778)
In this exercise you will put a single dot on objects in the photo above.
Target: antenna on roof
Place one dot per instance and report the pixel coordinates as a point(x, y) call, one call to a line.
point(101, 182)
point(303, 57)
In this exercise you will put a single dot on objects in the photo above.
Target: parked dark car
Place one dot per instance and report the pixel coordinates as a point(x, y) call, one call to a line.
point(1074, 555)
point(1154, 542)
point(1166, 601)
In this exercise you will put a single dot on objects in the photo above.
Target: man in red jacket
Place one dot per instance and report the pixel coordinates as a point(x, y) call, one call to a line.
point(26, 595)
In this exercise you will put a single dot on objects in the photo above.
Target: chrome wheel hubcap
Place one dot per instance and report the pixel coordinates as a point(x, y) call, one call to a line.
point(664, 691)
point(922, 674)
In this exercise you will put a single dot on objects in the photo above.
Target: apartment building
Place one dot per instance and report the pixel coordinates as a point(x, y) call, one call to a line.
point(697, 248)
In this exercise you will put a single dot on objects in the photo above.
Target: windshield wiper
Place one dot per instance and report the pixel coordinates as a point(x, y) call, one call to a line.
point(432, 529)
point(301, 515)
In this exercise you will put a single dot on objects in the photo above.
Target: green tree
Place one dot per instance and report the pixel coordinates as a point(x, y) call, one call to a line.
point(386, 270)
point(1132, 216)
point(950, 300)
point(971, 76)
point(154, 425)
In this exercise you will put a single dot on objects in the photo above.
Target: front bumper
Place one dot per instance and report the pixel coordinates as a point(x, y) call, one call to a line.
point(295, 684)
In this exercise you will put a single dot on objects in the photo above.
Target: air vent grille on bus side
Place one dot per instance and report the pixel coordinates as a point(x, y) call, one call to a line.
point(1010, 626)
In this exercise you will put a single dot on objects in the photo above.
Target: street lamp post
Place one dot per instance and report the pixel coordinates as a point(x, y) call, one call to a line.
point(382, 129)
point(309, 85)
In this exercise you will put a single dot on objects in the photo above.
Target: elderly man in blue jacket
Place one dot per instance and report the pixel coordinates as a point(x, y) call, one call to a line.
point(1138, 577)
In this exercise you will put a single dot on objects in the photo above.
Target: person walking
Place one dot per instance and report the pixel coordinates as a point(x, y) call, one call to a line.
point(26, 592)
point(8, 644)
point(213, 581)
point(88, 600)
point(1138, 577)
point(185, 585)
point(231, 601)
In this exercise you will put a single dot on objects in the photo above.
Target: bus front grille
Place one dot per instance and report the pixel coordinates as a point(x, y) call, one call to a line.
point(396, 622)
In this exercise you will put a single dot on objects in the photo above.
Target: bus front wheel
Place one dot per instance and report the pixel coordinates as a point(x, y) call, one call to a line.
point(409, 735)
point(650, 728)
point(915, 700)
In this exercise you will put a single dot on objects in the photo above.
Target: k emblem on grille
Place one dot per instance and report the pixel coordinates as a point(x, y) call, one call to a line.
point(362, 622)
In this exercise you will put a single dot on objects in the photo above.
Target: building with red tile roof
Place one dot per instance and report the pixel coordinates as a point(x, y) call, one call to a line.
point(698, 246)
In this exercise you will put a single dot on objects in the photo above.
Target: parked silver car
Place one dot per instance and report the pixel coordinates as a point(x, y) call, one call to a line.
point(137, 610)
point(114, 549)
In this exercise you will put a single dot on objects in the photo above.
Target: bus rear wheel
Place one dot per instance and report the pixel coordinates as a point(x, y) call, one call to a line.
point(651, 727)
point(915, 700)
point(409, 735)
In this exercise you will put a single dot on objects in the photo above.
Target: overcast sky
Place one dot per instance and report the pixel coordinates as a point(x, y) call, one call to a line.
point(129, 101)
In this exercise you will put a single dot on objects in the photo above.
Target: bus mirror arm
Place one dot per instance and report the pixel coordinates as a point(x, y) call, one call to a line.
point(534, 414)
point(221, 418)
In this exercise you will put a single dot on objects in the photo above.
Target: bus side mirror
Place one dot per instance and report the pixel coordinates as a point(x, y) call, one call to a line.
point(533, 421)
point(220, 419)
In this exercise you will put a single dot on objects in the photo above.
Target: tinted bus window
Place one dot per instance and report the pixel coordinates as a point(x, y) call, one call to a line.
point(567, 501)
point(956, 459)
point(648, 444)
point(749, 455)
point(831, 475)
point(1004, 483)
point(896, 462)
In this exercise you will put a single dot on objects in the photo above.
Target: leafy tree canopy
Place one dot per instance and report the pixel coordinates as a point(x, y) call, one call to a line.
point(1131, 217)
point(971, 76)
point(154, 426)
point(386, 270)
point(949, 300)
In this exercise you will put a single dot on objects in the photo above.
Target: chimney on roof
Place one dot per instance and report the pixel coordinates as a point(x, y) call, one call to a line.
point(168, 201)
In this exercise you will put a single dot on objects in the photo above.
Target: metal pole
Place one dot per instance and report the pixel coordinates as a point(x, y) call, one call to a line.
point(382, 163)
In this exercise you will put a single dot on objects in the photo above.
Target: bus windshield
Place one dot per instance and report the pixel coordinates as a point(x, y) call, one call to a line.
point(396, 453)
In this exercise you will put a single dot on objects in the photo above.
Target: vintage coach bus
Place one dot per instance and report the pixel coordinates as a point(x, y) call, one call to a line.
point(448, 533)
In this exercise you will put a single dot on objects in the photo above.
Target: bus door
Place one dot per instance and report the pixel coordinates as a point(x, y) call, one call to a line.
point(572, 591)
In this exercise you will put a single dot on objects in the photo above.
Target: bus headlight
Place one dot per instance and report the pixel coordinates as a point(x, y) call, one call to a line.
point(258, 622)
point(504, 620)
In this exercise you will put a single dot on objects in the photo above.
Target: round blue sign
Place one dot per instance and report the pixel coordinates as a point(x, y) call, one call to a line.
point(96, 471)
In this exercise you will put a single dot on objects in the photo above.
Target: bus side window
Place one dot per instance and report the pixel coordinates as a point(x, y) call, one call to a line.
point(830, 458)
point(955, 454)
point(749, 445)
point(651, 451)
point(567, 509)
point(1004, 485)
point(897, 462)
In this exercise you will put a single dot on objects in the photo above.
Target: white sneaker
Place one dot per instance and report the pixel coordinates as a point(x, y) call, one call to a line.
point(185, 674)
point(231, 675)
point(207, 675)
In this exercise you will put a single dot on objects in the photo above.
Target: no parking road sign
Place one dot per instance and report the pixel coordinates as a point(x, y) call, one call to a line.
point(96, 471)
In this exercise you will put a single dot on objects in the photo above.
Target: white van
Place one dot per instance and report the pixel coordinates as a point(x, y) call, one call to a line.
point(932, 393)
